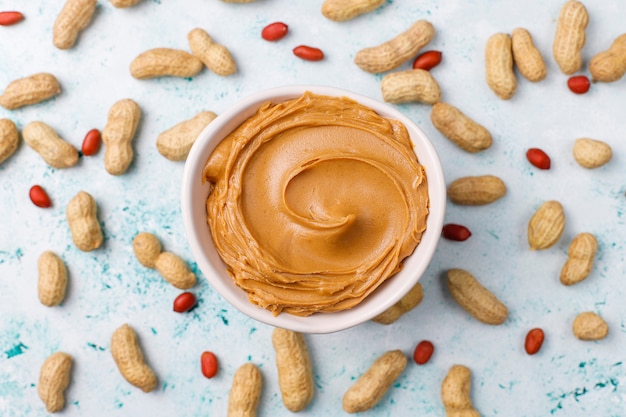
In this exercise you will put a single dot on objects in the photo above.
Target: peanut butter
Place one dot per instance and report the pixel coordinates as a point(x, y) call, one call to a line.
point(316, 201)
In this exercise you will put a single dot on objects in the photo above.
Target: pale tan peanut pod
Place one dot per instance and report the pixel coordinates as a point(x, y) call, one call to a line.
point(455, 393)
point(526, 56)
point(54, 377)
point(29, 90)
point(459, 128)
point(245, 391)
point(610, 65)
point(117, 135)
point(580, 256)
point(73, 18)
point(52, 281)
point(569, 38)
point(176, 142)
point(592, 153)
point(404, 305)
point(410, 86)
point(215, 56)
point(372, 386)
point(590, 326)
point(295, 377)
point(477, 300)
point(499, 66)
point(129, 359)
point(46, 142)
point(546, 225)
point(172, 268)
point(394, 52)
point(9, 139)
point(163, 62)
point(342, 10)
point(120, 4)
point(81, 213)
point(476, 190)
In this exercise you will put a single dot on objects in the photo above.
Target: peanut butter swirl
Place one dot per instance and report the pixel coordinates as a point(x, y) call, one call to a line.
point(316, 201)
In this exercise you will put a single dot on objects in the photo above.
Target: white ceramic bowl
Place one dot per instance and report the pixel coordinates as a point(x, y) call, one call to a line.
point(194, 195)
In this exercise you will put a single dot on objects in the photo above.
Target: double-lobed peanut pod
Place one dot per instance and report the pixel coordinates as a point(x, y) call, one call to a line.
point(150, 254)
point(460, 128)
point(163, 62)
point(526, 56)
point(295, 376)
point(245, 391)
point(342, 10)
point(176, 142)
point(455, 392)
point(372, 386)
point(129, 359)
point(52, 280)
point(546, 225)
point(118, 134)
point(414, 85)
point(81, 213)
point(476, 190)
point(214, 56)
point(610, 65)
point(477, 300)
point(73, 18)
point(44, 140)
point(394, 52)
point(407, 303)
point(29, 90)
point(54, 378)
point(499, 66)
point(9, 139)
point(569, 38)
point(580, 256)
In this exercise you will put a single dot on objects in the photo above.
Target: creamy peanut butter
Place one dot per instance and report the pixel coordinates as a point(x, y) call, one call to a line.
point(316, 201)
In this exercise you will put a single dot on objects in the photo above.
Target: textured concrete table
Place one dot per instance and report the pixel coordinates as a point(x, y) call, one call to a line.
point(109, 287)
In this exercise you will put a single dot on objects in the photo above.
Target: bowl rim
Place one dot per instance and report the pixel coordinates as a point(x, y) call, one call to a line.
point(318, 322)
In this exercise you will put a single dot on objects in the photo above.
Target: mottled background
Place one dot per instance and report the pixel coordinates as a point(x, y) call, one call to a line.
point(109, 287)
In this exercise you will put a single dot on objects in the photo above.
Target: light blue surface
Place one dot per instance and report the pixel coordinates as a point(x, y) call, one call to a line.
point(109, 287)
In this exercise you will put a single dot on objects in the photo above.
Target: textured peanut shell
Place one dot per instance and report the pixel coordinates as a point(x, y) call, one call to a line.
point(176, 142)
point(569, 38)
point(9, 139)
point(610, 65)
point(162, 62)
point(73, 18)
point(175, 270)
point(216, 57)
point(81, 213)
point(546, 225)
point(499, 66)
point(124, 3)
point(476, 190)
point(52, 280)
point(415, 85)
point(394, 52)
point(455, 392)
point(407, 303)
point(29, 90)
point(147, 249)
point(54, 377)
point(580, 255)
point(526, 56)
point(372, 386)
point(245, 391)
point(46, 142)
point(129, 359)
point(459, 128)
point(295, 377)
point(590, 326)
point(117, 135)
point(592, 153)
point(342, 10)
point(477, 300)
